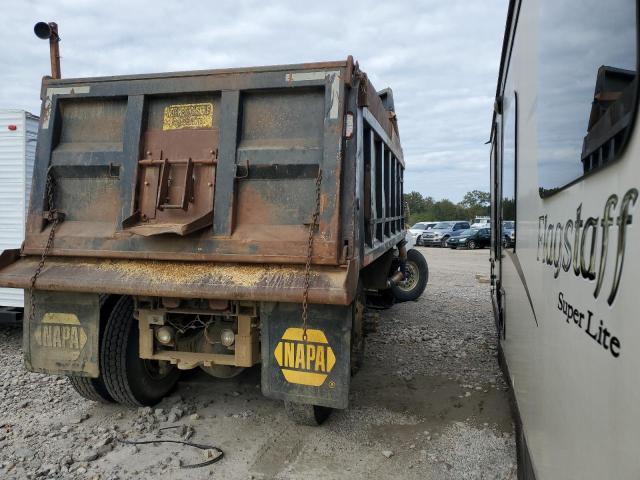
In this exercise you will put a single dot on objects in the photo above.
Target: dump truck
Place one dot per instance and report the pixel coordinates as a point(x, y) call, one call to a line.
point(213, 219)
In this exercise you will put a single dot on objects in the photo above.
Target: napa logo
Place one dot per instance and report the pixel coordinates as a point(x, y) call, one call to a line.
point(305, 362)
point(61, 332)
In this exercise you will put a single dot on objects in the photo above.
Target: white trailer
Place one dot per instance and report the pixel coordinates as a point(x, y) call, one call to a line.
point(18, 132)
point(565, 171)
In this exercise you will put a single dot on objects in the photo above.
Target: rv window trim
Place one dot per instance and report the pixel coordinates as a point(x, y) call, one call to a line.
point(511, 26)
point(515, 168)
point(632, 123)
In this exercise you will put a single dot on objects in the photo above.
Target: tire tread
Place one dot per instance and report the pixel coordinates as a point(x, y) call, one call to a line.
point(114, 352)
point(90, 388)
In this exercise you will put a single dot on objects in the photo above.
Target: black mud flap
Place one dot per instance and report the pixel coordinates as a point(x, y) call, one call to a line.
point(63, 337)
point(315, 372)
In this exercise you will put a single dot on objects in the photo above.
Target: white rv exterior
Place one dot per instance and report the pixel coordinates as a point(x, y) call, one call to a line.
point(566, 168)
point(18, 132)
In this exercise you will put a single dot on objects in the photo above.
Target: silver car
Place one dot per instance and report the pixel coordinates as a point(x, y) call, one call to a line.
point(440, 233)
point(418, 229)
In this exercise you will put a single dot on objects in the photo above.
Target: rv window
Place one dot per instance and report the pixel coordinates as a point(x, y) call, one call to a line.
point(509, 132)
point(587, 81)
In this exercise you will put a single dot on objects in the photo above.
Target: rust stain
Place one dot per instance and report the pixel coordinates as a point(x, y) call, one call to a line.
point(158, 272)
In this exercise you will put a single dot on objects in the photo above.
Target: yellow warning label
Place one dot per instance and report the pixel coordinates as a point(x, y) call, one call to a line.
point(188, 115)
point(305, 363)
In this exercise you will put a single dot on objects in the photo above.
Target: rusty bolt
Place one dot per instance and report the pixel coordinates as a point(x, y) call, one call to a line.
point(146, 184)
point(148, 152)
point(210, 184)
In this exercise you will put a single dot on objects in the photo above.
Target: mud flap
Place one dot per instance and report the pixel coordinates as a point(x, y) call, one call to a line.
point(316, 371)
point(63, 338)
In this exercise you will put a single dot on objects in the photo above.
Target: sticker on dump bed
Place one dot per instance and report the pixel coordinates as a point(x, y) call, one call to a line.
point(305, 363)
point(63, 333)
point(188, 115)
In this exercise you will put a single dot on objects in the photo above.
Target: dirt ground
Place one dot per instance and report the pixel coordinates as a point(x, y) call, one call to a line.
point(429, 403)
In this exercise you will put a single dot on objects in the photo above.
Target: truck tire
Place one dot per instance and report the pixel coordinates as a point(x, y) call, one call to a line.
point(305, 414)
point(129, 379)
point(418, 272)
point(94, 389)
point(91, 388)
point(443, 242)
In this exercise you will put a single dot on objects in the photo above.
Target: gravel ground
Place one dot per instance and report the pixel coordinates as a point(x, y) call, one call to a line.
point(429, 403)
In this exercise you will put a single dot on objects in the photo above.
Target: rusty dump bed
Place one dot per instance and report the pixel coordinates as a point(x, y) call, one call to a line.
point(209, 171)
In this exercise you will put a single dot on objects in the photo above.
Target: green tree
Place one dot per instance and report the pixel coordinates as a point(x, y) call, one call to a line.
point(415, 202)
point(474, 203)
point(476, 198)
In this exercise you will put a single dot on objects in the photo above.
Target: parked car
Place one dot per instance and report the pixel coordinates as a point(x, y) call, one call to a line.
point(481, 225)
point(481, 222)
point(418, 229)
point(472, 238)
point(508, 233)
point(440, 233)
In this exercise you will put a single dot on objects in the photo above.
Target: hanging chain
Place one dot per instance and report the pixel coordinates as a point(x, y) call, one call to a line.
point(53, 216)
point(307, 269)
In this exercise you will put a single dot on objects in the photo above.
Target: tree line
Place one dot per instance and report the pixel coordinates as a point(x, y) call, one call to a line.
point(475, 203)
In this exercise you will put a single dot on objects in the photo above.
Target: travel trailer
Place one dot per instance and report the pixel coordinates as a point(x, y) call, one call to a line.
point(564, 169)
point(18, 132)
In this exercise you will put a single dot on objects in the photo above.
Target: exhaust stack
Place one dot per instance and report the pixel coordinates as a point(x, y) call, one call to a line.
point(49, 31)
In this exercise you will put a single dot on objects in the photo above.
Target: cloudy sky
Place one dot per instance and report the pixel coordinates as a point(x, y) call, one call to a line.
point(439, 57)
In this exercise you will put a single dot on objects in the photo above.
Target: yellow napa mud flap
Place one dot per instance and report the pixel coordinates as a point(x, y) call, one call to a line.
point(314, 371)
point(63, 336)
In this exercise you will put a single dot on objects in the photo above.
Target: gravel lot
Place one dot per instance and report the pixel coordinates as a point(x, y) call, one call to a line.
point(429, 403)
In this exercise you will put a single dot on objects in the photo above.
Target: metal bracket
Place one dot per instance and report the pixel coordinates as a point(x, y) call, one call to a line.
point(244, 174)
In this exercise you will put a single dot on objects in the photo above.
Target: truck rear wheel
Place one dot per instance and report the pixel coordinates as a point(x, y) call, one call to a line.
point(91, 388)
point(417, 278)
point(305, 414)
point(129, 379)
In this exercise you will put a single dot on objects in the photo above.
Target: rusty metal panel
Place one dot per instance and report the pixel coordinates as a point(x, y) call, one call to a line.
point(92, 125)
point(211, 166)
point(63, 337)
point(176, 171)
point(207, 280)
point(283, 121)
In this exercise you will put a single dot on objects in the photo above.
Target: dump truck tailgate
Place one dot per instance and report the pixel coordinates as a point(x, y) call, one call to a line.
point(206, 166)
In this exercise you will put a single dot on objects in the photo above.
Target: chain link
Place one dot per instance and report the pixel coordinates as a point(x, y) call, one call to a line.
point(307, 270)
point(53, 216)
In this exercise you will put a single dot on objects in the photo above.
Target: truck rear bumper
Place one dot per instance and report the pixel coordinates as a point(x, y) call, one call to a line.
point(208, 280)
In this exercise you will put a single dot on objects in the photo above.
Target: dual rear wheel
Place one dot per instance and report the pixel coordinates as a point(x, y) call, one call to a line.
point(124, 377)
